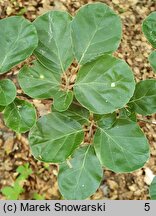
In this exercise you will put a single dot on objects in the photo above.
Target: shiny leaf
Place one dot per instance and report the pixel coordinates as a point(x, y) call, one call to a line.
point(149, 28)
point(110, 119)
point(121, 148)
point(96, 30)
point(39, 82)
point(83, 178)
point(127, 114)
point(77, 112)
point(55, 137)
point(7, 92)
point(144, 98)
point(55, 48)
point(20, 116)
point(62, 100)
point(104, 85)
point(152, 189)
point(18, 40)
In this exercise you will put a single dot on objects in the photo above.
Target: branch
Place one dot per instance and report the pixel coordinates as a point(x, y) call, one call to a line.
point(24, 95)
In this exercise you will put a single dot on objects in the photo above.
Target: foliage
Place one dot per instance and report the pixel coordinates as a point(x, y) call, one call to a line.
point(149, 30)
point(13, 192)
point(93, 121)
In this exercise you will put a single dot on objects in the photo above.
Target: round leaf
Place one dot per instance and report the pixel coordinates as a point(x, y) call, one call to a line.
point(121, 148)
point(18, 40)
point(144, 98)
point(62, 100)
point(7, 92)
point(83, 178)
point(96, 30)
point(104, 85)
point(77, 112)
point(20, 116)
point(149, 28)
point(127, 114)
point(39, 82)
point(55, 47)
point(152, 60)
point(110, 119)
point(152, 189)
point(55, 137)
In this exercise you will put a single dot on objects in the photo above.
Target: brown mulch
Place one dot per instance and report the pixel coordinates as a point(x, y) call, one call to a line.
point(134, 49)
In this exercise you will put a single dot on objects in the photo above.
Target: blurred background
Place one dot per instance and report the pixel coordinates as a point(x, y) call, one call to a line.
point(41, 179)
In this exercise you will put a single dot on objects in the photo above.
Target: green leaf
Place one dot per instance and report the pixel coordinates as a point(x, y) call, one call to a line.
point(149, 28)
point(144, 98)
point(152, 60)
point(39, 82)
point(7, 92)
point(152, 189)
point(121, 148)
point(2, 108)
point(55, 47)
point(18, 40)
point(83, 178)
point(110, 119)
point(24, 171)
point(62, 100)
point(96, 30)
point(127, 114)
point(12, 193)
point(104, 85)
point(55, 137)
point(77, 112)
point(20, 116)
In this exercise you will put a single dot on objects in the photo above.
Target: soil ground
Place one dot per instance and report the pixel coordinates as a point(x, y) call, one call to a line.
point(134, 49)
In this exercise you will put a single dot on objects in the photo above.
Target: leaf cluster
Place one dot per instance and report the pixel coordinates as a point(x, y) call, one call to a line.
point(95, 98)
point(149, 29)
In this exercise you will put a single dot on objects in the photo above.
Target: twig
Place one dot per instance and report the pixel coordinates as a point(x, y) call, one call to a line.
point(23, 95)
point(147, 121)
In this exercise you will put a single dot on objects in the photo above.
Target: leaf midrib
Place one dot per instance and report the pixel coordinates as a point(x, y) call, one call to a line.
point(55, 139)
point(9, 48)
point(89, 43)
point(81, 170)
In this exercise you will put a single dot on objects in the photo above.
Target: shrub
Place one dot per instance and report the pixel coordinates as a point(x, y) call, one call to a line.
point(93, 123)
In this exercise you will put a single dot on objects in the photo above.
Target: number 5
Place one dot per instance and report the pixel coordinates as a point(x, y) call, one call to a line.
point(147, 207)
